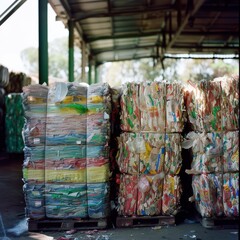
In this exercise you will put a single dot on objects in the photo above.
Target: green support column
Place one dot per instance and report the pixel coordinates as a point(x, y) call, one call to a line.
point(89, 73)
point(43, 41)
point(96, 74)
point(71, 51)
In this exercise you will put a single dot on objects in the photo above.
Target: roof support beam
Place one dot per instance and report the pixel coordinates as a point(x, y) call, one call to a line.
point(71, 51)
point(11, 10)
point(184, 23)
point(43, 41)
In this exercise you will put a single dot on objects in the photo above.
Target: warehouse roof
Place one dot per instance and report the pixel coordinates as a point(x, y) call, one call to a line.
point(132, 29)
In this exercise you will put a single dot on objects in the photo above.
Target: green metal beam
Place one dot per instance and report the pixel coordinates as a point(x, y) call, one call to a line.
point(71, 51)
point(43, 41)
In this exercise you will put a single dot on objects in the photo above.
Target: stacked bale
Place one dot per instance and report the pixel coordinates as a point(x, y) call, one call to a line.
point(66, 153)
point(213, 112)
point(34, 98)
point(149, 155)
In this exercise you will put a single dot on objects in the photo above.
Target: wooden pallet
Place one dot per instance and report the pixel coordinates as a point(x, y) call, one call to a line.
point(66, 224)
point(220, 222)
point(144, 221)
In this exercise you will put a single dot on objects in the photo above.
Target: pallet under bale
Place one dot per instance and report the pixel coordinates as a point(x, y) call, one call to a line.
point(144, 221)
point(35, 225)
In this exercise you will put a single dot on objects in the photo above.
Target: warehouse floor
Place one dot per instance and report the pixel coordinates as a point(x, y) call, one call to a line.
point(14, 223)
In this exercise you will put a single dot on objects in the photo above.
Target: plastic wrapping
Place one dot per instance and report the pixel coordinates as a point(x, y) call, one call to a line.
point(171, 195)
point(98, 200)
point(34, 198)
point(128, 195)
point(207, 189)
point(207, 151)
point(130, 114)
point(14, 121)
point(231, 151)
point(152, 105)
point(66, 201)
point(149, 199)
point(231, 194)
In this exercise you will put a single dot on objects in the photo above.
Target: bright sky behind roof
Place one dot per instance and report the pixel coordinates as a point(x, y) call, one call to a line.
point(20, 31)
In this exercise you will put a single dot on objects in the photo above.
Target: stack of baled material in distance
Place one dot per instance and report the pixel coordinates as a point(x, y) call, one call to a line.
point(149, 156)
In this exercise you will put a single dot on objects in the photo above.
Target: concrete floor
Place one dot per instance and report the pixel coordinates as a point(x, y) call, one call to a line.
point(12, 212)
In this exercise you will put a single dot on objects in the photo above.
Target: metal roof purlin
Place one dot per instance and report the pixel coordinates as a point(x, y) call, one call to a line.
point(83, 15)
point(185, 21)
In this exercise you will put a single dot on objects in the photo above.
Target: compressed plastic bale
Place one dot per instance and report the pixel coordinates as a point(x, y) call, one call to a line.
point(207, 151)
point(34, 199)
point(65, 176)
point(171, 195)
point(216, 181)
point(33, 165)
point(97, 174)
point(98, 200)
point(128, 192)
point(201, 191)
point(230, 102)
point(130, 114)
point(152, 154)
point(212, 110)
point(174, 107)
point(194, 102)
point(207, 190)
point(173, 158)
point(231, 151)
point(66, 200)
point(149, 199)
point(231, 194)
point(98, 128)
point(70, 130)
point(152, 102)
point(128, 156)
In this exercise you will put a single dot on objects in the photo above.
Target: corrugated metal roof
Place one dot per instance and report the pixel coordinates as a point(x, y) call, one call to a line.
point(132, 29)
